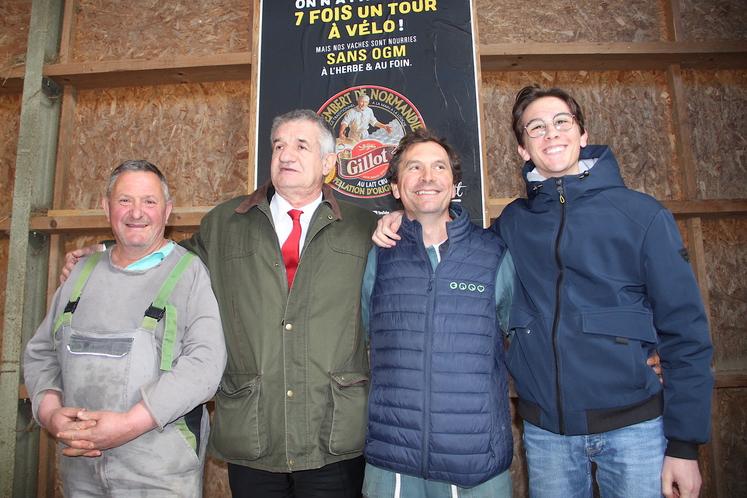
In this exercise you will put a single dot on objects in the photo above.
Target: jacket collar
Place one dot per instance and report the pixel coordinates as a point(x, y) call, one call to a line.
point(605, 173)
point(456, 229)
point(264, 193)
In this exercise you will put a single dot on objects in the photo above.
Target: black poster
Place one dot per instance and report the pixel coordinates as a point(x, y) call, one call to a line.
point(374, 70)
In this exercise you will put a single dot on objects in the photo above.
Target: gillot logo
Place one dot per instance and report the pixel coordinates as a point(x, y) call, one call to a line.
point(369, 122)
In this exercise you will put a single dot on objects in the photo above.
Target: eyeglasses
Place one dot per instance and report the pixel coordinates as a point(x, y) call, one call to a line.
point(563, 121)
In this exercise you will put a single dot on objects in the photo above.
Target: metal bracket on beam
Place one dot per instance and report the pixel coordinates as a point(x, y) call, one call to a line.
point(51, 89)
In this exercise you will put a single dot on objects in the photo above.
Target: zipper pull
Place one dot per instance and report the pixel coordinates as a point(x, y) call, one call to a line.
point(559, 188)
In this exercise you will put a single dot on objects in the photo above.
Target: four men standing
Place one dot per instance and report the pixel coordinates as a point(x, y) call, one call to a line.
point(591, 302)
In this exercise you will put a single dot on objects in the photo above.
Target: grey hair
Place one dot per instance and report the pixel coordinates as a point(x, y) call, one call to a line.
point(138, 165)
point(326, 139)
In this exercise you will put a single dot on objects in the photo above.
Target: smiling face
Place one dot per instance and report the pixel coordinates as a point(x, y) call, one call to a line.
point(556, 153)
point(425, 182)
point(137, 211)
point(298, 166)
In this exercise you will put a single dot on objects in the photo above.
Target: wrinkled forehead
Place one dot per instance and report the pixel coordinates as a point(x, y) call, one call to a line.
point(138, 184)
point(297, 130)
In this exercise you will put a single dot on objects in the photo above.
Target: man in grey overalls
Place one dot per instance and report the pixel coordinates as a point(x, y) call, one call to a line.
point(132, 343)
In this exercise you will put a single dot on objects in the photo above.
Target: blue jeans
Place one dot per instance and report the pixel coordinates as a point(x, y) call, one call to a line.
point(628, 462)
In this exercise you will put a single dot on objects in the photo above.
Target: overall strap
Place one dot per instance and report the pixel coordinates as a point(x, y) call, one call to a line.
point(160, 308)
point(66, 317)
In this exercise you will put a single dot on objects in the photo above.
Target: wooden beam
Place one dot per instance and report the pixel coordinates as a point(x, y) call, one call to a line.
point(26, 256)
point(138, 72)
point(70, 220)
point(493, 57)
point(727, 380)
point(12, 80)
point(612, 56)
point(683, 209)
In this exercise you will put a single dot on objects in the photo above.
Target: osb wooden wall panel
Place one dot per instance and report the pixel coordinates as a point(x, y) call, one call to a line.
point(196, 133)
point(731, 430)
point(725, 242)
point(716, 102)
point(713, 20)
point(501, 21)
point(10, 113)
point(14, 23)
point(152, 29)
point(216, 479)
point(630, 111)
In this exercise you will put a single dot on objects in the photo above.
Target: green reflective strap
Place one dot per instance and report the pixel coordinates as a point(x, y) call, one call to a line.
point(66, 317)
point(161, 302)
point(188, 436)
point(169, 337)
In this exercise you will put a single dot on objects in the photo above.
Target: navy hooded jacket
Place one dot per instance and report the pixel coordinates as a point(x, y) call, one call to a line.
point(603, 278)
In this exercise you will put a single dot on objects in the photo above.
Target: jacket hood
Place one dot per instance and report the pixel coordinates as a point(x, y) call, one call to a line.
point(603, 173)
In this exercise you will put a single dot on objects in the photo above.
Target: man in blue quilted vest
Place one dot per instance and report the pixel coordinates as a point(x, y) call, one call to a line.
point(434, 306)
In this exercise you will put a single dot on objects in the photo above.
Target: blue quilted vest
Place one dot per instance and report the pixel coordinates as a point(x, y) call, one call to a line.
point(438, 404)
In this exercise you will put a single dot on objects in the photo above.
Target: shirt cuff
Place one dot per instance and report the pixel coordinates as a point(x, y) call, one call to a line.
point(682, 449)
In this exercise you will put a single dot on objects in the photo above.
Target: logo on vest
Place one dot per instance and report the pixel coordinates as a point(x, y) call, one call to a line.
point(467, 286)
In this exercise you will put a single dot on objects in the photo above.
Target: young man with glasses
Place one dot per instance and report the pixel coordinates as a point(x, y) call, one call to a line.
point(603, 279)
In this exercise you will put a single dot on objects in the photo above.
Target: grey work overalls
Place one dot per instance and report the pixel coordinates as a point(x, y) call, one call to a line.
point(158, 463)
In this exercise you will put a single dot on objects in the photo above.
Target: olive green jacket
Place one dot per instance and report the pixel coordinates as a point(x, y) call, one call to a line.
point(294, 392)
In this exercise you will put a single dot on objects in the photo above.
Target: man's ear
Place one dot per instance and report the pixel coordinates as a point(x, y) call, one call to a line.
point(584, 139)
point(105, 207)
point(169, 207)
point(328, 162)
point(523, 153)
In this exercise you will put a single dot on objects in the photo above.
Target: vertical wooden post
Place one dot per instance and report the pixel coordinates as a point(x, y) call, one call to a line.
point(694, 226)
point(27, 256)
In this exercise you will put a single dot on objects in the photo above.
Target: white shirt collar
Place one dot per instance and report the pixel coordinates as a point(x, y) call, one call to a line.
point(279, 208)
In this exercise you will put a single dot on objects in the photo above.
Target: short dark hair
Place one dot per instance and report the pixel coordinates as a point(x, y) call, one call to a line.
point(419, 136)
point(529, 94)
point(326, 138)
point(137, 165)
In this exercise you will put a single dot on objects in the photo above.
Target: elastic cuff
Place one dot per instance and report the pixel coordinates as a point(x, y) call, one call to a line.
point(682, 449)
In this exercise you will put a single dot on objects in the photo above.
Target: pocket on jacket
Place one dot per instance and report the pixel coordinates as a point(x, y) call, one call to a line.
point(344, 429)
point(239, 432)
point(617, 342)
point(529, 356)
point(620, 324)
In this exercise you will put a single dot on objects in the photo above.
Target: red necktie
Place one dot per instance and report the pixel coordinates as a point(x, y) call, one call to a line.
point(290, 246)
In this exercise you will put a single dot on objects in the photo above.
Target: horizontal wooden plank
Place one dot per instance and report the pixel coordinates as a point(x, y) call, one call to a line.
point(725, 380)
point(12, 80)
point(57, 221)
point(711, 207)
point(61, 220)
point(493, 57)
point(188, 69)
point(611, 56)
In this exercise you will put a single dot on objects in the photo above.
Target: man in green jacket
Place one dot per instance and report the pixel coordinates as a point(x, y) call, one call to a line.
point(290, 413)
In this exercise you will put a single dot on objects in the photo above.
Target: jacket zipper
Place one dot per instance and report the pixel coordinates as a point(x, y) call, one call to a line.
point(428, 347)
point(556, 317)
